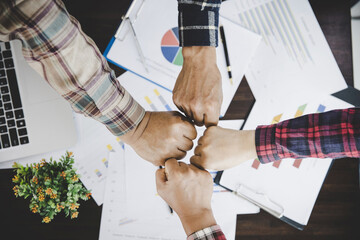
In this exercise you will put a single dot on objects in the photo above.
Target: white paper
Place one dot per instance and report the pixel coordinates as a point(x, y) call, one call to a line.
point(139, 88)
point(293, 59)
point(91, 155)
point(293, 184)
point(149, 95)
point(144, 213)
point(241, 45)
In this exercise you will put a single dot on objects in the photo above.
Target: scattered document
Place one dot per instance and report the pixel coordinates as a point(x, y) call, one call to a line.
point(91, 155)
point(149, 95)
point(293, 59)
point(291, 184)
point(132, 208)
point(163, 56)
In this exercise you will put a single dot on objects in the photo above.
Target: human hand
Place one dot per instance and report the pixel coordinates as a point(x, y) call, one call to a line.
point(221, 148)
point(198, 88)
point(160, 136)
point(187, 190)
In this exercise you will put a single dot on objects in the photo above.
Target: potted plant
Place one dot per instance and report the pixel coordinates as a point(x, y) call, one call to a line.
point(51, 186)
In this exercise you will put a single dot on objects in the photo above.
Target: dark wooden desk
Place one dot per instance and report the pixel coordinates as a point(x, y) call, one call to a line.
point(336, 214)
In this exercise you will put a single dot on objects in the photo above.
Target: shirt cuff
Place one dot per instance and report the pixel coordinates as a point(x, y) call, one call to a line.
point(198, 23)
point(123, 117)
point(265, 143)
point(213, 232)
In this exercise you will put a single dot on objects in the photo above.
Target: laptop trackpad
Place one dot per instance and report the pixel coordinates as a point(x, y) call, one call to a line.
point(38, 90)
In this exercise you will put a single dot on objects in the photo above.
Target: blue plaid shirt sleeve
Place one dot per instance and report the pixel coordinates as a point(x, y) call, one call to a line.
point(198, 22)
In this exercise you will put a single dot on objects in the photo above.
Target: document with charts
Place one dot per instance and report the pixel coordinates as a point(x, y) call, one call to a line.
point(156, 27)
point(293, 59)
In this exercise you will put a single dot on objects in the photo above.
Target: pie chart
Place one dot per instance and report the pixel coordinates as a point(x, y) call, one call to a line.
point(170, 47)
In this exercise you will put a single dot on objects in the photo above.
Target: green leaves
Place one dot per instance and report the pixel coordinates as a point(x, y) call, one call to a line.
point(51, 186)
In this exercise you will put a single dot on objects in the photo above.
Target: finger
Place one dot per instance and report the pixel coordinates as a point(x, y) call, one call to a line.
point(180, 108)
point(195, 168)
point(179, 154)
point(201, 140)
point(160, 177)
point(198, 118)
point(171, 166)
point(177, 103)
point(189, 131)
point(198, 150)
point(182, 164)
point(196, 161)
point(159, 163)
point(185, 145)
point(189, 114)
point(211, 119)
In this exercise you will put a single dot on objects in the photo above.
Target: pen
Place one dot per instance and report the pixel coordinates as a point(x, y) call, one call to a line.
point(223, 40)
point(171, 210)
point(142, 58)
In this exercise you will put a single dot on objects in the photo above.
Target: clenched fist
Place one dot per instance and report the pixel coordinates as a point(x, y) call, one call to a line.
point(160, 136)
point(221, 148)
point(198, 88)
point(188, 191)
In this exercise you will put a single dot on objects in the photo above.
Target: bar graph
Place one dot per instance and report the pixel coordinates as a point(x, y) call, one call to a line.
point(105, 162)
point(98, 173)
point(275, 22)
point(162, 100)
point(151, 104)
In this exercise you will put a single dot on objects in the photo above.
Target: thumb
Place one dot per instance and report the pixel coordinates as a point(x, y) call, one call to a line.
point(161, 179)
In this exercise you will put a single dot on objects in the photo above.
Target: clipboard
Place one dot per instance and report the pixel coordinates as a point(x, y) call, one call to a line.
point(153, 53)
point(253, 196)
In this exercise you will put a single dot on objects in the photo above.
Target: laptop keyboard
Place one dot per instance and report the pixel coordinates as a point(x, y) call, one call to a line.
point(12, 123)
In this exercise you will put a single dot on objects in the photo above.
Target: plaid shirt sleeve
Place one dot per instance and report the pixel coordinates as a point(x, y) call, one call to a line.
point(56, 47)
point(210, 233)
point(333, 134)
point(198, 22)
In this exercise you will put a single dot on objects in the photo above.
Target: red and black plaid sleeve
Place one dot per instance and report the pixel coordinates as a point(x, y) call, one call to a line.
point(210, 233)
point(333, 134)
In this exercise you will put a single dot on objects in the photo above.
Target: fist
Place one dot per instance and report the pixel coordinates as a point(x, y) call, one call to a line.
point(162, 135)
point(198, 88)
point(221, 148)
point(188, 191)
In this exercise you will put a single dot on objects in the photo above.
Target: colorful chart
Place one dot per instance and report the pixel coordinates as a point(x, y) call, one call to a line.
point(170, 47)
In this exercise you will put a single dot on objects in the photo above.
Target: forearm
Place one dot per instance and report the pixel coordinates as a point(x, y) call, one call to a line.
point(213, 232)
point(55, 46)
point(197, 222)
point(198, 22)
point(333, 134)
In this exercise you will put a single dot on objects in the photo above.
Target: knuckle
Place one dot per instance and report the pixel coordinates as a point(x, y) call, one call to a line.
point(210, 130)
point(191, 145)
point(181, 155)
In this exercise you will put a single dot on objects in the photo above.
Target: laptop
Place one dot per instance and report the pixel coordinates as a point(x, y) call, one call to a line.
point(34, 118)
